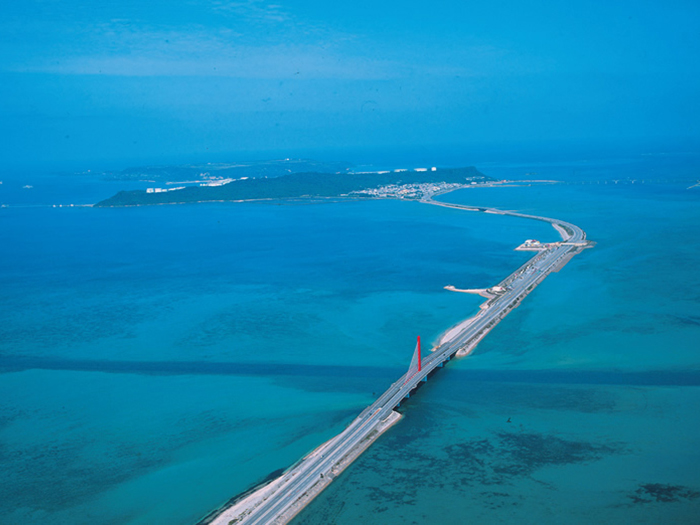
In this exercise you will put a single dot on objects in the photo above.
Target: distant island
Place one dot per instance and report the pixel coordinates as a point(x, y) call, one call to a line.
point(407, 184)
point(210, 171)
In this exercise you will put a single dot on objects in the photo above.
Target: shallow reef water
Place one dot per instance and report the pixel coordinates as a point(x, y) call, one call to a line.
point(156, 362)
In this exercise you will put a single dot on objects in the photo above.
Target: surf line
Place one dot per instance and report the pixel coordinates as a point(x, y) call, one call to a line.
point(279, 500)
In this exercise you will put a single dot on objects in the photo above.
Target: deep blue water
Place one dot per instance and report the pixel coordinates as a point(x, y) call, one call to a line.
point(157, 361)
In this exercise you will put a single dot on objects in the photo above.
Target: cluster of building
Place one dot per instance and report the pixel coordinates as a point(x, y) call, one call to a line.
point(533, 245)
point(409, 191)
point(208, 181)
point(399, 170)
point(163, 190)
point(219, 182)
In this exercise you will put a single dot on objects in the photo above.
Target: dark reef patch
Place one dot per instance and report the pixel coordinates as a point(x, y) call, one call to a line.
point(517, 454)
point(662, 493)
point(529, 452)
point(688, 320)
point(482, 472)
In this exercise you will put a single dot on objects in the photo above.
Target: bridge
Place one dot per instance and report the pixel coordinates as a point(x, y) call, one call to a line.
point(280, 500)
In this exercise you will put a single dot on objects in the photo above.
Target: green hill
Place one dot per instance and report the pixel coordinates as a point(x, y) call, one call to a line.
point(295, 185)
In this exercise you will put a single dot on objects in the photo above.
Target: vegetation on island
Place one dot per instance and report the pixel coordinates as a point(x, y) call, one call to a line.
point(295, 185)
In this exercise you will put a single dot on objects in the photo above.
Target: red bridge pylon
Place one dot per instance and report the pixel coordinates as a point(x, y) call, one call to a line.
point(416, 364)
point(418, 351)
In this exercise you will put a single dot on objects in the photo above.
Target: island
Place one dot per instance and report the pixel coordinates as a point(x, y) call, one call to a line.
point(410, 184)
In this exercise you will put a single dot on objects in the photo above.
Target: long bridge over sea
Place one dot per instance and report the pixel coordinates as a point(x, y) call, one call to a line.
point(280, 500)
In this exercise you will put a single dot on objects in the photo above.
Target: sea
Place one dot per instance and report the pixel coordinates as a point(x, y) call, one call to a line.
point(155, 362)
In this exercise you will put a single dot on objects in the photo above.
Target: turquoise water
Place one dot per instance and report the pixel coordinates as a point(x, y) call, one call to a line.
point(158, 361)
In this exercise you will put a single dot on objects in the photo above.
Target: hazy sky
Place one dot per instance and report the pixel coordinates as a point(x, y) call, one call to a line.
point(87, 81)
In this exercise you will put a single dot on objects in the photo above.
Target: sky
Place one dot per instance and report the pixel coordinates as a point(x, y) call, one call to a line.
point(87, 82)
